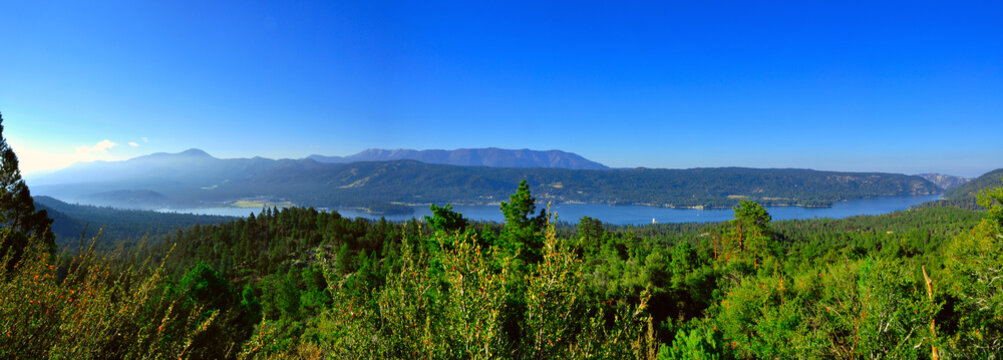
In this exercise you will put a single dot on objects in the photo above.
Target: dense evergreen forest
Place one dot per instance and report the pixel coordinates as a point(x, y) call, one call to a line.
point(118, 228)
point(966, 195)
point(300, 283)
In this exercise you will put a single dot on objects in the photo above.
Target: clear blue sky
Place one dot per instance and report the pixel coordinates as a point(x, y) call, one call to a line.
point(910, 86)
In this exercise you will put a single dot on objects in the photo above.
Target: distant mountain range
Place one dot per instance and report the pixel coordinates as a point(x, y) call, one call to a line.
point(945, 181)
point(491, 157)
point(195, 179)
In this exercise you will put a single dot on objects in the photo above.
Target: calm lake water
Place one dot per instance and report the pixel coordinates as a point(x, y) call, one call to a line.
point(624, 215)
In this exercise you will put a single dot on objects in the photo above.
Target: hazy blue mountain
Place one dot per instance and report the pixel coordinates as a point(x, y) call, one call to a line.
point(945, 181)
point(195, 179)
point(492, 157)
point(185, 179)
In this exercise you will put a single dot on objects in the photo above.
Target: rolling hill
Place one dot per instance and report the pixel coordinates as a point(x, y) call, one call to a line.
point(195, 179)
point(965, 196)
point(945, 181)
point(970, 189)
point(71, 222)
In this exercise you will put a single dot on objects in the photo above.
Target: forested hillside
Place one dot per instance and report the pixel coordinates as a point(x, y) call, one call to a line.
point(945, 181)
point(123, 228)
point(966, 195)
point(300, 283)
point(306, 284)
point(195, 179)
point(737, 180)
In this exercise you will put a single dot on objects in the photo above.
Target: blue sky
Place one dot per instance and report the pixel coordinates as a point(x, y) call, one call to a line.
point(907, 87)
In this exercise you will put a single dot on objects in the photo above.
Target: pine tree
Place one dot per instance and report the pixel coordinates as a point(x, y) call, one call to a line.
point(445, 219)
point(523, 231)
point(751, 228)
point(17, 208)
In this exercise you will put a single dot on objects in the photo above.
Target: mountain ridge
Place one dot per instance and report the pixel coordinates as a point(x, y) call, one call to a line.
point(945, 181)
point(489, 157)
point(188, 182)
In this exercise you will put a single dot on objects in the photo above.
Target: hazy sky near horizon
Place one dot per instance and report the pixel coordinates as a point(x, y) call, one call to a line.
point(910, 86)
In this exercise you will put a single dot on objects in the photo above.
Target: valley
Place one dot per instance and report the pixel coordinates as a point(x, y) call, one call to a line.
point(194, 179)
point(501, 180)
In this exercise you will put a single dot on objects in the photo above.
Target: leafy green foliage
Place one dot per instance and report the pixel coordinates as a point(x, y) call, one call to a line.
point(203, 285)
point(915, 284)
point(450, 304)
point(697, 343)
point(445, 219)
point(974, 274)
point(85, 307)
point(315, 284)
point(523, 232)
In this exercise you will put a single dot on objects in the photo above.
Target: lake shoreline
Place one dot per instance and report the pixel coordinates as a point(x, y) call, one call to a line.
point(624, 214)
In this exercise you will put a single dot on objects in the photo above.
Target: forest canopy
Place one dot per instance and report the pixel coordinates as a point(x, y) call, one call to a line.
point(300, 283)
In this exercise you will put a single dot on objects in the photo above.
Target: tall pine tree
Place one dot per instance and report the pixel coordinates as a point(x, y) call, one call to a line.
point(523, 231)
point(17, 208)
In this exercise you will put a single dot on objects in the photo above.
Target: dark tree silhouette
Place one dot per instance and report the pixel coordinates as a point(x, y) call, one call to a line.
point(17, 208)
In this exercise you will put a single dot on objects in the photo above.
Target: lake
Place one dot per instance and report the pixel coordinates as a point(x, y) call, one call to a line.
point(636, 215)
